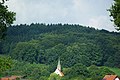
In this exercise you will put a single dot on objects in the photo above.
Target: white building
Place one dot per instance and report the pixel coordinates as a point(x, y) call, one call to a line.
point(58, 70)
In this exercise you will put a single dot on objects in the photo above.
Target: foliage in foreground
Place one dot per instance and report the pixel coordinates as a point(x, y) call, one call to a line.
point(115, 13)
point(42, 72)
point(5, 63)
point(29, 71)
point(6, 19)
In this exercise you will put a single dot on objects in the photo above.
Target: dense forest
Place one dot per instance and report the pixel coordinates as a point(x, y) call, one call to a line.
point(80, 48)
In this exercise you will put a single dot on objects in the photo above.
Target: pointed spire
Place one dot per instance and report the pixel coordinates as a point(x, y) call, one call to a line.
point(59, 66)
point(58, 70)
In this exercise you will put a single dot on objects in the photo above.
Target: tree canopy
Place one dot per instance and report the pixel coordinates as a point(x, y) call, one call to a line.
point(5, 62)
point(115, 13)
point(77, 46)
point(41, 43)
point(6, 18)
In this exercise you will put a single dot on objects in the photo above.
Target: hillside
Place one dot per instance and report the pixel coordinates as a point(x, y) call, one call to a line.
point(43, 43)
point(73, 44)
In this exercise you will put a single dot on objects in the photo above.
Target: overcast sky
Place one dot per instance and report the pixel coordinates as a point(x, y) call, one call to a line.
point(91, 13)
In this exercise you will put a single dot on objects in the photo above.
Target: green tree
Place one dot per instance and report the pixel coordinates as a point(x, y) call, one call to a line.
point(6, 18)
point(79, 69)
point(54, 76)
point(5, 63)
point(3, 1)
point(97, 73)
point(25, 51)
point(115, 13)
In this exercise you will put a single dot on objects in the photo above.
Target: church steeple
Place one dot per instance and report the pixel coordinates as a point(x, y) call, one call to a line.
point(58, 70)
point(59, 65)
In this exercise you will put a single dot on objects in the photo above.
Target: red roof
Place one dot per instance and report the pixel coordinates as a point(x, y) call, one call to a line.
point(5, 78)
point(110, 77)
point(10, 78)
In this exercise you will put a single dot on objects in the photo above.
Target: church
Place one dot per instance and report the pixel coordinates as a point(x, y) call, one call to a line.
point(58, 70)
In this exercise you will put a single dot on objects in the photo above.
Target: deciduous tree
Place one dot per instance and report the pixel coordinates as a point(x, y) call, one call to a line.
point(115, 13)
point(6, 18)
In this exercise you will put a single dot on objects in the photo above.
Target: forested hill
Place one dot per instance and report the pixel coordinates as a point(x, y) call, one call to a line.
point(41, 43)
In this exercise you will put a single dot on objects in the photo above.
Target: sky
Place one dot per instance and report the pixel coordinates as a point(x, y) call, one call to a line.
point(92, 13)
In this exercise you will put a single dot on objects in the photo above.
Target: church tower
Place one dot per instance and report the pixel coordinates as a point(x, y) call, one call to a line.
point(59, 65)
point(58, 70)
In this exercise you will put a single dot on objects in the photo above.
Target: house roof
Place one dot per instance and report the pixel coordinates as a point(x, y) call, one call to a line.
point(10, 78)
point(110, 77)
point(4, 78)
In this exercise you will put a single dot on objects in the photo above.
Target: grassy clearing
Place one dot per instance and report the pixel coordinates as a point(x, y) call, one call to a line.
point(116, 70)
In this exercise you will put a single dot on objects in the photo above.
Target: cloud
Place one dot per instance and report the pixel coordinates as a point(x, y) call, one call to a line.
point(28, 11)
point(101, 22)
point(81, 6)
point(61, 11)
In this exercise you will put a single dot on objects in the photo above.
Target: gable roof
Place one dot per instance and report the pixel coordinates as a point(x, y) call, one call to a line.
point(4, 78)
point(110, 77)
